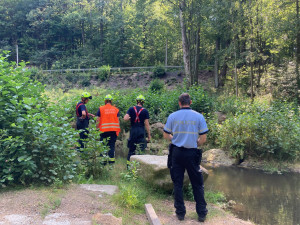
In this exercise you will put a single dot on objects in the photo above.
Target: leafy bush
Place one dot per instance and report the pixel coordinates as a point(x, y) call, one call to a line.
point(104, 72)
point(132, 171)
point(231, 104)
point(130, 197)
point(159, 71)
point(94, 155)
point(34, 72)
point(36, 138)
point(214, 129)
point(263, 131)
point(70, 77)
point(85, 83)
point(159, 105)
point(156, 85)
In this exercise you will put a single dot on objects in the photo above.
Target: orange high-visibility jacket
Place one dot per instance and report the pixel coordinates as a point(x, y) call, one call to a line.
point(109, 120)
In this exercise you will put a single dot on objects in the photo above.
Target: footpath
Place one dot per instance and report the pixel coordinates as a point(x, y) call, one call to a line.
point(90, 204)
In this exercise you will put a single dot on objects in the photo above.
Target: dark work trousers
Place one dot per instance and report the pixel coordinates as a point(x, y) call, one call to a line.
point(187, 159)
point(82, 125)
point(137, 137)
point(112, 135)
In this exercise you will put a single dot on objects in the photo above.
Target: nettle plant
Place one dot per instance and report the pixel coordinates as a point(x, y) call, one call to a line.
point(36, 138)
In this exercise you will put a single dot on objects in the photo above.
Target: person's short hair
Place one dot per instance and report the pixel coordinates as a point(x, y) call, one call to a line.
point(140, 101)
point(184, 99)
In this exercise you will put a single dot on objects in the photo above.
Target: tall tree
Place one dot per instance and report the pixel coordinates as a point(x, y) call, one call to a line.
point(298, 50)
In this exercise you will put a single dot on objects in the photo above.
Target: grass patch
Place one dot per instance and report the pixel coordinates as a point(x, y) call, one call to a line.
point(134, 193)
point(54, 201)
point(214, 197)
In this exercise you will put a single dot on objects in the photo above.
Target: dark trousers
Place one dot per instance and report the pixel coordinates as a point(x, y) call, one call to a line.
point(112, 135)
point(136, 138)
point(82, 125)
point(187, 159)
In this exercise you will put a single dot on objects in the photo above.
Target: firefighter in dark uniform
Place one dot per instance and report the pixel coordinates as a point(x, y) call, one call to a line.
point(83, 117)
point(139, 118)
point(186, 129)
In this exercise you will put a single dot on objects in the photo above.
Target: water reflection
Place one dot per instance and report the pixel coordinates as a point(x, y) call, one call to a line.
point(263, 198)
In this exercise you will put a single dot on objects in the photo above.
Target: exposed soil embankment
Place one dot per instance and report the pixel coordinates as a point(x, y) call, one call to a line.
point(143, 79)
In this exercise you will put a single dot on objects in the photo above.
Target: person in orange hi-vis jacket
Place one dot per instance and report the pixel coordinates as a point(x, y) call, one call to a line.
point(109, 125)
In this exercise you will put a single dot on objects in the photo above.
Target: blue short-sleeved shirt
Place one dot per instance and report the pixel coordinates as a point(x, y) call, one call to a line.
point(185, 125)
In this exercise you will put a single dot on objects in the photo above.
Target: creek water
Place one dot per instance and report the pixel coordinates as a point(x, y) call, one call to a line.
point(265, 199)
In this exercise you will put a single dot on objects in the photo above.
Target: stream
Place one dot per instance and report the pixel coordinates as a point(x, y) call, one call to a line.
point(265, 199)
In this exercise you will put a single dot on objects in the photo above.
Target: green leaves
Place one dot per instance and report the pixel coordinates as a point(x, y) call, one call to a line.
point(269, 131)
point(36, 139)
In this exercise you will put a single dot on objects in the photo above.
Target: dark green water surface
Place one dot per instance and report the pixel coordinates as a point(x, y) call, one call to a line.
point(262, 198)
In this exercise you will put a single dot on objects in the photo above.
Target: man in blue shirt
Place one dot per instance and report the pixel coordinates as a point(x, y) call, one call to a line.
point(186, 129)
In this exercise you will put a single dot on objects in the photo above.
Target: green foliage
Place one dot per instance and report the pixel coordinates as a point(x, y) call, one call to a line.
point(34, 72)
point(231, 105)
point(156, 85)
point(211, 197)
point(214, 197)
point(93, 156)
point(104, 72)
point(159, 71)
point(85, 83)
point(132, 171)
point(263, 130)
point(159, 104)
point(130, 196)
point(36, 137)
point(214, 130)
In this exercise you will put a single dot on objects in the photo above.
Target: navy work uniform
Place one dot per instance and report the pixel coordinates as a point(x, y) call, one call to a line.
point(138, 115)
point(81, 123)
point(186, 125)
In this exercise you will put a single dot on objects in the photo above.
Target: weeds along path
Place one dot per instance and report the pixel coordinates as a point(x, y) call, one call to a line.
point(75, 205)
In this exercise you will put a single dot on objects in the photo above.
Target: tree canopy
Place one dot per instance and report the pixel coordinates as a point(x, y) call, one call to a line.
point(252, 34)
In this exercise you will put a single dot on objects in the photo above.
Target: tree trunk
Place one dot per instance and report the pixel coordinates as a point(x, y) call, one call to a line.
point(298, 52)
point(101, 31)
point(122, 36)
point(166, 56)
point(251, 57)
point(82, 33)
point(197, 55)
point(17, 53)
point(217, 63)
point(185, 45)
point(235, 74)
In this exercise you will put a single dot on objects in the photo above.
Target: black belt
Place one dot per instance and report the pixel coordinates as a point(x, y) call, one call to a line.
point(185, 149)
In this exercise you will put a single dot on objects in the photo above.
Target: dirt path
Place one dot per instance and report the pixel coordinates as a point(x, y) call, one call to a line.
point(75, 205)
